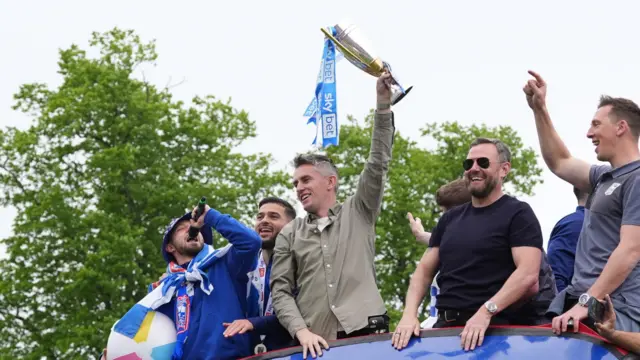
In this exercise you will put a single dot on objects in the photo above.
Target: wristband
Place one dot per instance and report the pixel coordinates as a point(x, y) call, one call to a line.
point(383, 106)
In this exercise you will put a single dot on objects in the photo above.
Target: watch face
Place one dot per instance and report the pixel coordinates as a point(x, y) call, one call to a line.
point(491, 307)
point(583, 299)
point(259, 349)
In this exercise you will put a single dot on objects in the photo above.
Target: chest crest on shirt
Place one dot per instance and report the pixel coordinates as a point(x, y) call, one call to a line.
point(612, 188)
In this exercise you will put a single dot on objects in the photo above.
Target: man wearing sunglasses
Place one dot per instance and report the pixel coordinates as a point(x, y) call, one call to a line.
point(608, 251)
point(488, 252)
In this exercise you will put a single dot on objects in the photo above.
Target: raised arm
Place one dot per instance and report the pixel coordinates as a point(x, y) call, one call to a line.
point(246, 242)
point(283, 282)
point(368, 196)
point(554, 152)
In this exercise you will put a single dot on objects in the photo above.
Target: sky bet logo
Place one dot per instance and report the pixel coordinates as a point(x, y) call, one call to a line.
point(329, 72)
point(327, 102)
point(329, 126)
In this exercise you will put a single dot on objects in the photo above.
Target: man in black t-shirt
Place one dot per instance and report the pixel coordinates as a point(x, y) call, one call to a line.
point(488, 252)
point(530, 311)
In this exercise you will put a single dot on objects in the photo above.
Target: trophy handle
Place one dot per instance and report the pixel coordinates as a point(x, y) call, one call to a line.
point(398, 95)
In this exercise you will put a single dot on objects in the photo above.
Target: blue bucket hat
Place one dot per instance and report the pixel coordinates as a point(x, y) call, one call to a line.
point(206, 232)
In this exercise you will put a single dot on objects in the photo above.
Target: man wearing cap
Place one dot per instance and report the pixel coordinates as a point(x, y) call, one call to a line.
point(209, 291)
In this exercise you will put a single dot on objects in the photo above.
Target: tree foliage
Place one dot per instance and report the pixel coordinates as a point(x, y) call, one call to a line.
point(107, 162)
point(415, 174)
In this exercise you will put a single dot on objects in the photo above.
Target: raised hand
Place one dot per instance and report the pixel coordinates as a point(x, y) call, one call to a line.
point(536, 91)
point(383, 88)
point(200, 221)
point(418, 230)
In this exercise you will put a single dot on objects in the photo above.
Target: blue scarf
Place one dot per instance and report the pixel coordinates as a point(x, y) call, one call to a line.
point(179, 282)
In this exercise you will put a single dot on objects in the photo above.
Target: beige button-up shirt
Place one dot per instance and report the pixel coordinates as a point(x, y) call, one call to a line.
point(333, 269)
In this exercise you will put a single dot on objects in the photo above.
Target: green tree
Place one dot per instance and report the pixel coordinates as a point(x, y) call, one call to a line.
point(415, 174)
point(108, 161)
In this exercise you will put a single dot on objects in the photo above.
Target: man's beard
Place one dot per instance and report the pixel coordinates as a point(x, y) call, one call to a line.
point(268, 244)
point(489, 185)
point(190, 251)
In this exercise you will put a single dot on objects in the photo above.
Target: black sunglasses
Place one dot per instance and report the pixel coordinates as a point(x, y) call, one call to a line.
point(483, 162)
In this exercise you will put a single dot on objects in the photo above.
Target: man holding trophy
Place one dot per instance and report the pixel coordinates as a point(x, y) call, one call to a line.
point(328, 256)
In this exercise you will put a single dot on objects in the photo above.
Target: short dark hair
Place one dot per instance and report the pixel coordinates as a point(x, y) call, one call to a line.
point(323, 163)
point(315, 160)
point(453, 194)
point(623, 109)
point(503, 150)
point(288, 209)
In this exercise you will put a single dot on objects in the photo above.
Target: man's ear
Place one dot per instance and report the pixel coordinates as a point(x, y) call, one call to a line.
point(505, 168)
point(622, 126)
point(170, 248)
point(331, 182)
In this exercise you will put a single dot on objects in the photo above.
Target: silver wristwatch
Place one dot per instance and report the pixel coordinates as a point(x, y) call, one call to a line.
point(583, 300)
point(491, 307)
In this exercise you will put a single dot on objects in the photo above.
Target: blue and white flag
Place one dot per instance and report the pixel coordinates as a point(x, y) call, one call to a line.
point(325, 106)
point(170, 286)
point(313, 104)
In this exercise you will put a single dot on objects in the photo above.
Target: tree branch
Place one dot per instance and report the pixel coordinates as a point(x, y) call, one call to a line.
point(176, 85)
point(17, 181)
point(37, 333)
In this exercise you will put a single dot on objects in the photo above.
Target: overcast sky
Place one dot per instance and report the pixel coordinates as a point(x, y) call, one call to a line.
point(467, 61)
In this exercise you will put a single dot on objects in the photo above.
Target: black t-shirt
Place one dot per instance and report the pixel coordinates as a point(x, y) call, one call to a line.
point(475, 249)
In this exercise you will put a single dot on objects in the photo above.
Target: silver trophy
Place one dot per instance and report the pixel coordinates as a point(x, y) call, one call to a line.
point(356, 48)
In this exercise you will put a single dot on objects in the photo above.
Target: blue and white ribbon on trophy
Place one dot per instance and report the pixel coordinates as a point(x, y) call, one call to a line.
point(324, 105)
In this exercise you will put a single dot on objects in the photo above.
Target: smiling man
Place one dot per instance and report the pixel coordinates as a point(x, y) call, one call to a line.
point(608, 250)
point(488, 251)
point(273, 214)
point(329, 254)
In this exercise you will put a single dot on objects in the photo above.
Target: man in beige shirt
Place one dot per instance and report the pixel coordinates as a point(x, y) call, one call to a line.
point(328, 255)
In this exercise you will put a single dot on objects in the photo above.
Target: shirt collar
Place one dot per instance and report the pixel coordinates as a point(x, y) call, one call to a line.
point(624, 169)
point(333, 211)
